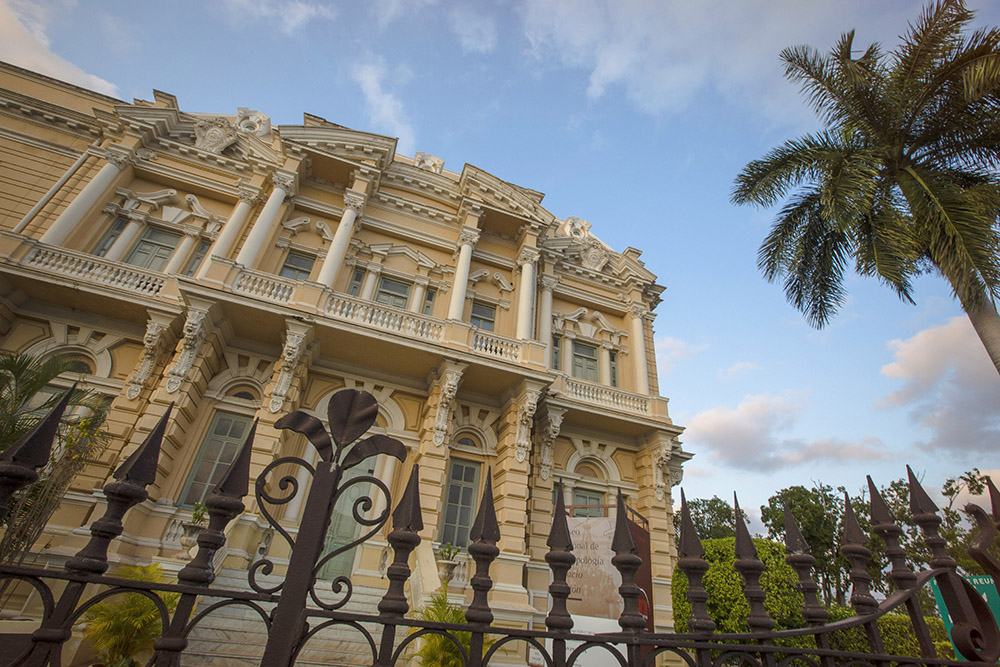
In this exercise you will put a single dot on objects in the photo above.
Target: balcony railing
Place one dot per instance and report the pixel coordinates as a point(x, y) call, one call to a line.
point(491, 345)
point(384, 317)
point(94, 269)
point(271, 288)
point(607, 396)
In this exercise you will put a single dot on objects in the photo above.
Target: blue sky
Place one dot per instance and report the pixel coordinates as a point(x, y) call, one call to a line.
point(634, 115)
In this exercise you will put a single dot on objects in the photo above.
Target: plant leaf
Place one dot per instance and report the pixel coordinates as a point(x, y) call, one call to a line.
point(371, 446)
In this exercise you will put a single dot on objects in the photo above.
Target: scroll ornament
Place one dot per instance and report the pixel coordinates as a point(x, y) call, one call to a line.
point(289, 360)
point(152, 343)
point(194, 336)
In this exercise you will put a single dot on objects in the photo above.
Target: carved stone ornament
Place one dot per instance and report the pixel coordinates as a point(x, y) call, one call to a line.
point(152, 343)
point(296, 224)
point(549, 282)
point(214, 135)
point(354, 201)
point(666, 469)
point(546, 433)
point(253, 122)
point(248, 195)
point(194, 336)
point(468, 236)
point(289, 360)
point(119, 160)
point(449, 388)
point(429, 162)
point(528, 255)
point(145, 154)
point(525, 418)
point(284, 182)
point(593, 255)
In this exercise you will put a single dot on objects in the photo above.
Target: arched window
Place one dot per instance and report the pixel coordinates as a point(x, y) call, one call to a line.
point(224, 438)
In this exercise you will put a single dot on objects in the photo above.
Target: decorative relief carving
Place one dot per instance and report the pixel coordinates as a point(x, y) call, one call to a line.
point(197, 208)
point(525, 418)
point(248, 195)
point(468, 236)
point(145, 154)
point(290, 356)
point(253, 122)
point(194, 336)
point(549, 424)
point(594, 255)
point(295, 224)
point(119, 160)
point(354, 201)
point(446, 399)
point(324, 230)
point(502, 283)
point(667, 467)
point(152, 344)
point(214, 135)
point(528, 255)
point(284, 182)
point(549, 281)
point(429, 162)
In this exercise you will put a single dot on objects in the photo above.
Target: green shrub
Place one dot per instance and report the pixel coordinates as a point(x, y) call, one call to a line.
point(897, 634)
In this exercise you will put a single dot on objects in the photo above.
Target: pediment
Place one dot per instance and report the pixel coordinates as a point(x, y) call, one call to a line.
point(342, 143)
point(481, 185)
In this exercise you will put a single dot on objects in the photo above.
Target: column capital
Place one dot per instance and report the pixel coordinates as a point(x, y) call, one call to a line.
point(249, 195)
point(528, 255)
point(354, 201)
point(192, 230)
point(374, 268)
point(638, 309)
point(285, 180)
point(422, 280)
point(118, 158)
point(468, 236)
point(549, 281)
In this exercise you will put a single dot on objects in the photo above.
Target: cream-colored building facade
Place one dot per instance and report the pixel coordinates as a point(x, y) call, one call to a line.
point(242, 270)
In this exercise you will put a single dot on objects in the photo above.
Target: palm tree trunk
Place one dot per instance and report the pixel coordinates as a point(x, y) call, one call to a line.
point(986, 321)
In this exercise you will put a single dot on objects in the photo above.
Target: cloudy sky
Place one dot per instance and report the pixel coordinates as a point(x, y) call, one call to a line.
point(632, 114)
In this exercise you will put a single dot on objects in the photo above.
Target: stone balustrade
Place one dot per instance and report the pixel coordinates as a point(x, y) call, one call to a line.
point(91, 269)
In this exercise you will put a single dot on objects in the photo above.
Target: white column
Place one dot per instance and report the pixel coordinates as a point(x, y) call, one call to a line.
point(466, 240)
point(124, 240)
point(526, 293)
point(605, 353)
point(549, 283)
point(183, 250)
point(284, 185)
point(417, 298)
point(368, 286)
point(567, 356)
point(231, 230)
point(639, 348)
point(93, 192)
point(354, 205)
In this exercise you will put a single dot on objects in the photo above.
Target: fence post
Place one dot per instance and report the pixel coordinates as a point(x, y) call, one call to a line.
point(485, 534)
point(560, 559)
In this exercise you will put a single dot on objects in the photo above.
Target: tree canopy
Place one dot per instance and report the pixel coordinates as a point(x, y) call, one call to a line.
point(902, 180)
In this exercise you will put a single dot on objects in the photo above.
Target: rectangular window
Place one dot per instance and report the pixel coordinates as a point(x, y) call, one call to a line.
point(109, 238)
point(556, 356)
point(459, 502)
point(297, 266)
point(585, 361)
point(354, 287)
point(428, 308)
point(613, 363)
point(392, 292)
point(484, 316)
point(154, 249)
point(199, 254)
point(223, 440)
point(588, 503)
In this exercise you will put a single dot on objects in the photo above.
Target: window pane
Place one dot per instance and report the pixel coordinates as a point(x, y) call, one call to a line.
point(102, 247)
point(354, 288)
point(195, 261)
point(217, 451)
point(297, 266)
point(460, 506)
point(429, 301)
point(483, 316)
point(585, 361)
point(154, 249)
point(392, 293)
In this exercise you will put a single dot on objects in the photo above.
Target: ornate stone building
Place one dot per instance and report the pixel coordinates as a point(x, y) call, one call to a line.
point(241, 270)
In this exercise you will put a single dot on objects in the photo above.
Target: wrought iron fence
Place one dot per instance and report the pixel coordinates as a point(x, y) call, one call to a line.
point(293, 612)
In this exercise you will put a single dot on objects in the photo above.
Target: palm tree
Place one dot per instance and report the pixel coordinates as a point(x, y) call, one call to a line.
point(902, 181)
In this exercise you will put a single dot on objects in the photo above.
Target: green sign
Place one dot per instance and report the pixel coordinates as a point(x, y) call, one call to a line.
point(984, 586)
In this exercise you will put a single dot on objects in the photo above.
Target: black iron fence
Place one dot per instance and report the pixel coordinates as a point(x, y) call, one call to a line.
point(294, 612)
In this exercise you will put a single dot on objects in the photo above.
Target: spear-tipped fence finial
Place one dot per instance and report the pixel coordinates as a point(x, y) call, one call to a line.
point(19, 462)
point(884, 525)
point(857, 554)
point(485, 533)
point(750, 568)
point(800, 560)
point(128, 489)
point(925, 515)
point(694, 568)
point(627, 561)
point(407, 522)
point(560, 559)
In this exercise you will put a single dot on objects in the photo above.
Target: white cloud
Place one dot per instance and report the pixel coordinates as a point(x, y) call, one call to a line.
point(753, 436)
point(289, 14)
point(385, 110)
point(666, 55)
point(476, 32)
point(387, 11)
point(949, 386)
point(24, 42)
point(670, 350)
point(740, 369)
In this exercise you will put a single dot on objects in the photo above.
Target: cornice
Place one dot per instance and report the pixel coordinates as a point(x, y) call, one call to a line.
point(49, 115)
point(42, 144)
point(419, 210)
point(158, 168)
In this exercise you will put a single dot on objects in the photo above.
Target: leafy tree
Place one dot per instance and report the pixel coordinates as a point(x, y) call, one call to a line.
point(901, 182)
point(713, 518)
point(437, 650)
point(726, 604)
point(123, 627)
point(819, 512)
